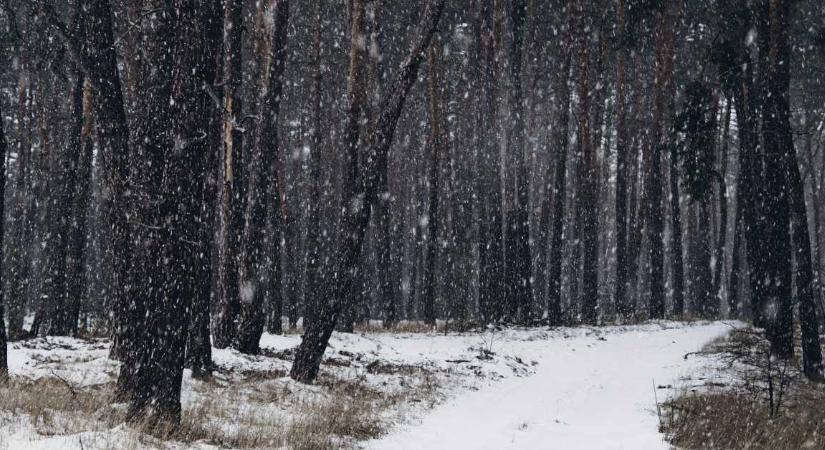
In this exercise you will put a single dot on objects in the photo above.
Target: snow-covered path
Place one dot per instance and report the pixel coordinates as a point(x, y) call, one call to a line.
point(590, 392)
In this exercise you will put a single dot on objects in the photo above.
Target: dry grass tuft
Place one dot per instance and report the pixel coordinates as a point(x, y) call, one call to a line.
point(400, 328)
point(55, 406)
point(733, 421)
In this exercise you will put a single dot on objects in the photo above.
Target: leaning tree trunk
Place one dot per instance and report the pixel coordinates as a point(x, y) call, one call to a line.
point(362, 192)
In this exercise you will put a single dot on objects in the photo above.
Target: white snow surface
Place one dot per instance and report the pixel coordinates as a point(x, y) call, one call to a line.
point(593, 389)
point(560, 388)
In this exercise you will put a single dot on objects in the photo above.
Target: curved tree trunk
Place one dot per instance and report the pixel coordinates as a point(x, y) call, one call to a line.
point(359, 194)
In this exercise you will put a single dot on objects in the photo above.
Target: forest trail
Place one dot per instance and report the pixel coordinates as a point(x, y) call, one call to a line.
point(589, 392)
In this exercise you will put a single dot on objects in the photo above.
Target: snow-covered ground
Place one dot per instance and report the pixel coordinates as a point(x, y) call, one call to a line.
point(592, 390)
point(565, 388)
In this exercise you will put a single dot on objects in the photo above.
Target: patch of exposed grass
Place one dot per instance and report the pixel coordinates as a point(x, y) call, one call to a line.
point(729, 421)
point(55, 406)
point(261, 411)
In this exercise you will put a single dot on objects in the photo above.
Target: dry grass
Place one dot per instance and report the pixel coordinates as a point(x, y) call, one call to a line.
point(769, 405)
point(260, 411)
point(55, 406)
point(403, 327)
point(348, 411)
point(733, 421)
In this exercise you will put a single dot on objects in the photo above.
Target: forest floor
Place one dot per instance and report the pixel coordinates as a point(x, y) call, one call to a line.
point(564, 388)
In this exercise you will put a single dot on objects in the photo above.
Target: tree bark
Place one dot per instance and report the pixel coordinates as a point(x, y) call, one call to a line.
point(588, 197)
point(229, 180)
point(774, 201)
point(77, 260)
point(435, 144)
point(554, 313)
point(620, 295)
point(521, 263)
point(99, 59)
point(19, 257)
point(263, 179)
point(4, 364)
point(359, 194)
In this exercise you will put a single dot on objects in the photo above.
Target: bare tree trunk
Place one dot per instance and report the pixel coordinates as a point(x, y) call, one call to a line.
point(723, 208)
point(314, 235)
point(653, 181)
point(435, 145)
point(199, 343)
point(4, 364)
point(228, 195)
point(588, 196)
point(774, 201)
point(554, 313)
point(263, 180)
point(19, 256)
point(520, 265)
point(171, 207)
point(620, 295)
point(100, 61)
point(78, 247)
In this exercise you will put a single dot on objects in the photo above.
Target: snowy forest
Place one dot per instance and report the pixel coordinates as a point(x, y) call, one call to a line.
point(196, 190)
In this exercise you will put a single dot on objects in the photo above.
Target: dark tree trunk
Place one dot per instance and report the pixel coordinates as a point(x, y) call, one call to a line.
point(359, 194)
point(676, 248)
point(77, 259)
point(172, 192)
point(491, 238)
point(806, 293)
point(352, 140)
point(64, 310)
point(723, 210)
point(749, 229)
point(229, 180)
point(435, 145)
point(99, 59)
point(620, 296)
point(199, 344)
point(521, 262)
point(795, 192)
point(588, 196)
point(665, 24)
point(4, 364)
point(703, 297)
point(263, 183)
point(554, 314)
point(773, 202)
point(19, 255)
point(314, 210)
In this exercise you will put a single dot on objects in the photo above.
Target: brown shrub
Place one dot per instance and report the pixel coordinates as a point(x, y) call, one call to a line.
point(730, 421)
